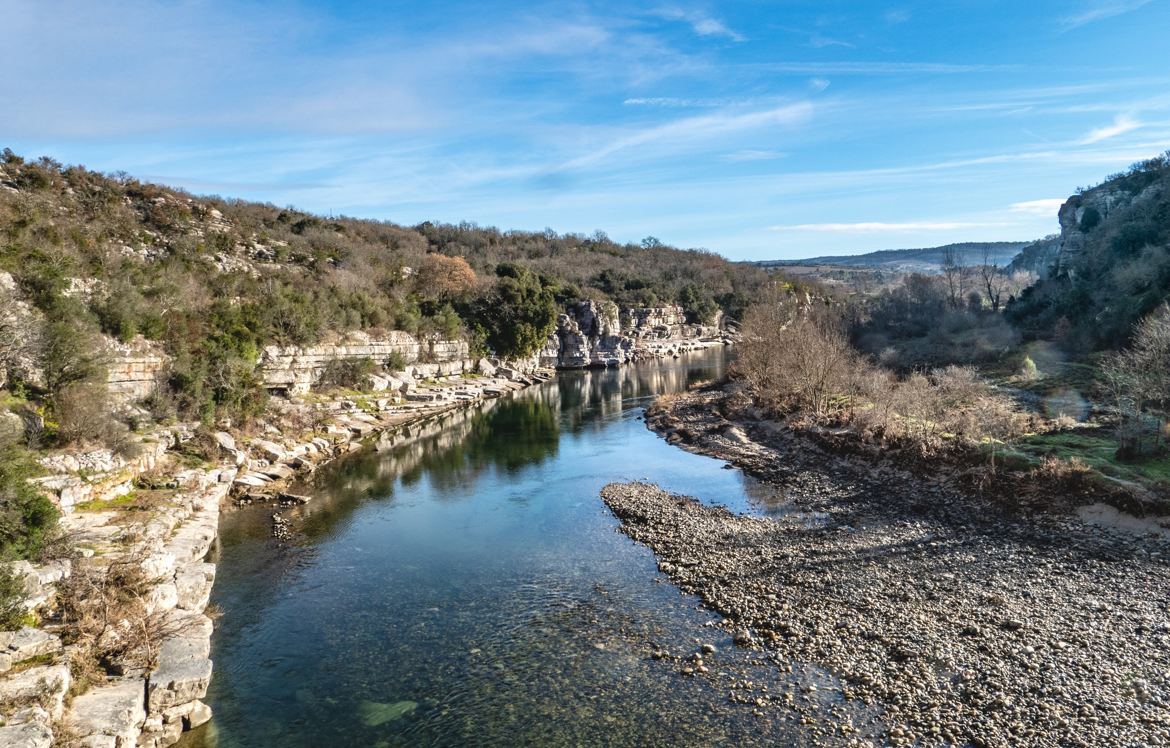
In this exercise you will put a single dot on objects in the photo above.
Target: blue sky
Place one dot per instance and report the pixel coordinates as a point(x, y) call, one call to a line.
point(755, 129)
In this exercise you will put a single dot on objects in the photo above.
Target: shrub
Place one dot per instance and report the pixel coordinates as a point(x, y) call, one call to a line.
point(396, 362)
point(11, 598)
point(796, 359)
point(1028, 369)
point(517, 315)
point(1069, 475)
point(348, 373)
point(26, 515)
point(799, 361)
point(442, 277)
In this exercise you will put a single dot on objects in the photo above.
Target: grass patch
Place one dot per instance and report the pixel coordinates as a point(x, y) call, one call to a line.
point(100, 505)
point(31, 662)
point(1097, 449)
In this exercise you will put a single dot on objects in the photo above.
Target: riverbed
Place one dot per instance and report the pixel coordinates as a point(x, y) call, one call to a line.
point(464, 584)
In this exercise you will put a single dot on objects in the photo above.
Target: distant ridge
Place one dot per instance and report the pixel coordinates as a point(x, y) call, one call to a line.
point(928, 259)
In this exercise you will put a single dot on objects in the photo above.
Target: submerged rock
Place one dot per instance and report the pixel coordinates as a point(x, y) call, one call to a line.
point(374, 713)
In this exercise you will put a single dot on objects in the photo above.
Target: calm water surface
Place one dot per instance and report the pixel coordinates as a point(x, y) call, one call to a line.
point(464, 585)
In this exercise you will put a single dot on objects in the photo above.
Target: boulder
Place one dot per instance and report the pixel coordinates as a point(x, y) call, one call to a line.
point(27, 643)
point(116, 711)
point(32, 734)
point(184, 669)
point(11, 427)
point(45, 685)
point(193, 585)
point(269, 450)
point(225, 441)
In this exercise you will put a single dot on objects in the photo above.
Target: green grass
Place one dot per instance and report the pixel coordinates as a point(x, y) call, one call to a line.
point(1096, 448)
point(99, 505)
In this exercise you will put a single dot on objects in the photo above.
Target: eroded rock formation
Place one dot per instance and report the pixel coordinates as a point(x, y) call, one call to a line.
point(592, 333)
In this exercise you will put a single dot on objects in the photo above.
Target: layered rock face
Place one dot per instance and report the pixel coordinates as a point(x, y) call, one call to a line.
point(134, 369)
point(594, 333)
point(298, 368)
point(1053, 256)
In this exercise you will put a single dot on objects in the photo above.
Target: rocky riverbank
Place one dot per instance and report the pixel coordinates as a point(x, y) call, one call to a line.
point(959, 622)
point(161, 537)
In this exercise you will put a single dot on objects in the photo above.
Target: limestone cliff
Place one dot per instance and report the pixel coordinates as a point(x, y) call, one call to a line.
point(592, 333)
point(1108, 267)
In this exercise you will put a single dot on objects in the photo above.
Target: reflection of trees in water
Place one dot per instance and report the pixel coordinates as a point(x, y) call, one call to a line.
point(450, 452)
point(517, 433)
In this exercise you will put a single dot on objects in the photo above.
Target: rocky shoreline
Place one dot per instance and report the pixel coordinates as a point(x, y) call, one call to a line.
point(956, 620)
point(169, 537)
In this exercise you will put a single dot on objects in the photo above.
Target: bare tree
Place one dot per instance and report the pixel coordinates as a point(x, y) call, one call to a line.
point(955, 274)
point(20, 337)
point(1139, 381)
point(797, 358)
point(995, 281)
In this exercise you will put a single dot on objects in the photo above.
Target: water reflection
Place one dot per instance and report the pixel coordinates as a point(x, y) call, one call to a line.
point(461, 583)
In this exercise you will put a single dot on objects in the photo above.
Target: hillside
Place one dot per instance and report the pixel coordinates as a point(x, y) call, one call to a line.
point(1110, 265)
point(925, 260)
point(211, 281)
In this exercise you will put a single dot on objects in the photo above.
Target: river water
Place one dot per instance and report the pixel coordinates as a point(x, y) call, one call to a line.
point(463, 584)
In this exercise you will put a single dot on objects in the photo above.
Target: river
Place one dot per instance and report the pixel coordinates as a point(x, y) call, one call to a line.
point(464, 585)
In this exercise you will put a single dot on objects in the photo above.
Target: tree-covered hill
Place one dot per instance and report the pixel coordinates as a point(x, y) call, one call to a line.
point(213, 280)
point(1109, 267)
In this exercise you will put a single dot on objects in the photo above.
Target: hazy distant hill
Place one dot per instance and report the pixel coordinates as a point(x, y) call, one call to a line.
point(925, 260)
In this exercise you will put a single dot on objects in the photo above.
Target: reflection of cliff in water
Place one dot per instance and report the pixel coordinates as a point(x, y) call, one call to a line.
point(590, 395)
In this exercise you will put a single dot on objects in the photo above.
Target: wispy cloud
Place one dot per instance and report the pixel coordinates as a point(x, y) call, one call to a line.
point(702, 23)
point(875, 227)
point(1122, 124)
point(674, 102)
point(1044, 207)
point(1099, 11)
point(881, 68)
point(818, 84)
point(751, 154)
point(895, 16)
point(691, 130)
point(819, 41)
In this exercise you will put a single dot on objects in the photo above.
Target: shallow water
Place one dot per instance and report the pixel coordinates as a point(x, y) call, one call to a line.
point(465, 585)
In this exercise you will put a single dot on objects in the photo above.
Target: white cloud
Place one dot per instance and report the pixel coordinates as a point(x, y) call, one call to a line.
point(702, 24)
point(1099, 11)
point(751, 154)
point(1046, 207)
point(875, 227)
point(674, 102)
point(690, 130)
point(1122, 124)
point(894, 16)
point(818, 84)
point(880, 68)
point(820, 41)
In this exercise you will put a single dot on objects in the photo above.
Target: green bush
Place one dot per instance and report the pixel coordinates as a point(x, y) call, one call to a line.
point(517, 315)
point(349, 373)
point(697, 304)
point(26, 515)
point(395, 362)
point(11, 599)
